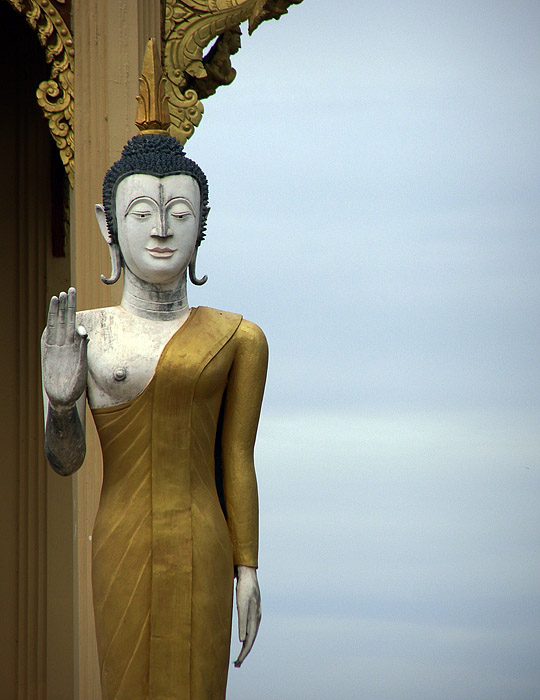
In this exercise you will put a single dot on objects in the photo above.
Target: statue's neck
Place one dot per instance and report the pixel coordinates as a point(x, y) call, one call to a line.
point(155, 301)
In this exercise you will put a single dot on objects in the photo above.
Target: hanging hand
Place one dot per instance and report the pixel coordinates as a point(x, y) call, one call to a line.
point(248, 604)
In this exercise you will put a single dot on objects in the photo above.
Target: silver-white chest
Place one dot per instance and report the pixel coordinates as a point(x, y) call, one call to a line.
point(122, 353)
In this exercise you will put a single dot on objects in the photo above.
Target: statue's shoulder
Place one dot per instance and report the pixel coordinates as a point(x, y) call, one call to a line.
point(250, 333)
point(252, 349)
point(102, 318)
point(246, 332)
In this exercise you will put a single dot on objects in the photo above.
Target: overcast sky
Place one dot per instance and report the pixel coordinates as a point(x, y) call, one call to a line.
point(374, 182)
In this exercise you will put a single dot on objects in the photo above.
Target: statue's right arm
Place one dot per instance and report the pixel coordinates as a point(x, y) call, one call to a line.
point(64, 373)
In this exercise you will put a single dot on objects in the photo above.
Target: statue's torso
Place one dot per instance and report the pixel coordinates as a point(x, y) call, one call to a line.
point(122, 353)
point(163, 553)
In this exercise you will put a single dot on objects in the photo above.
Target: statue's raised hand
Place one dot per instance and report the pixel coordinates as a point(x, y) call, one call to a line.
point(65, 365)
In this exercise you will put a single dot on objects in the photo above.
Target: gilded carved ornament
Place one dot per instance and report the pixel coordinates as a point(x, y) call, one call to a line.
point(189, 26)
point(152, 103)
point(55, 96)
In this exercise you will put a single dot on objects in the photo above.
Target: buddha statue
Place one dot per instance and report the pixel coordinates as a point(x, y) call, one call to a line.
point(175, 394)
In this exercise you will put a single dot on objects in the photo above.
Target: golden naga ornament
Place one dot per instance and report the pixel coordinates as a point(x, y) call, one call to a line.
point(189, 27)
point(56, 95)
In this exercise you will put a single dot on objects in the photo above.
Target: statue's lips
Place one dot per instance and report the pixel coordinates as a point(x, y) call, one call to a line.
point(161, 252)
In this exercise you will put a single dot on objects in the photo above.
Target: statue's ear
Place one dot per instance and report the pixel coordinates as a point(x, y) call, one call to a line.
point(102, 222)
point(114, 249)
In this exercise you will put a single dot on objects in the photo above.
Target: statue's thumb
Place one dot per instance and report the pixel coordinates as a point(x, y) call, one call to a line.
point(83, 335)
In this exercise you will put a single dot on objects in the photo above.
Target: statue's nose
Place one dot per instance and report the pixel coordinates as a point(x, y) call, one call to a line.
point(161, 230)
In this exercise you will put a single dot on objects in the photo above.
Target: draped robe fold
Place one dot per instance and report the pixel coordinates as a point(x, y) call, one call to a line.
point(164, 547)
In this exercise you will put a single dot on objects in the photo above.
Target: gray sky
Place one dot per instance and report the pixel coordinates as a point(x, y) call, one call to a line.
point(374, 175)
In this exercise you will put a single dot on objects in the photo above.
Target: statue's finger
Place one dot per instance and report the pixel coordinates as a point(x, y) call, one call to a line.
point(242, 622)
point(82, 340)
point(52, 318)
point(241, 657)
point(252, 626)
point(254, 620)
point(61, 330)
point(70, 316)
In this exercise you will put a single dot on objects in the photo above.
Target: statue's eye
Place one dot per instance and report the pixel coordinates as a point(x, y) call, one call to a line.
point(181, 215)
point(141, 214)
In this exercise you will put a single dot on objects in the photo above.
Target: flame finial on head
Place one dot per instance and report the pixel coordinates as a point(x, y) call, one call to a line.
point(152, 109)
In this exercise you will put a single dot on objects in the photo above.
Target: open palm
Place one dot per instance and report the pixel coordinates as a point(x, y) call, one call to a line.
point(64, 352)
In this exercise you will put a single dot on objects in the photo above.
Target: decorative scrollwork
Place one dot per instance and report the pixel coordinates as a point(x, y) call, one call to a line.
point(189, 27)
point(269, 9)
point(186, 111)
point(56, 95)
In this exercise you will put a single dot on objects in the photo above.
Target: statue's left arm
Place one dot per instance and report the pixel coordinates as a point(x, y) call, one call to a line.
point(243, 400)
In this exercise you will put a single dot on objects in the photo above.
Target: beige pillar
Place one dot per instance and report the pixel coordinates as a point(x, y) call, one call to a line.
point(36, 622)
point(109, 40)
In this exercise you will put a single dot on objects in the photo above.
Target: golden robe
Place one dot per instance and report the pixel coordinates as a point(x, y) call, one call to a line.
point(164, 546)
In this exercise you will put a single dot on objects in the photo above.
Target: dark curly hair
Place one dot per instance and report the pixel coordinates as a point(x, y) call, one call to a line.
point(152, 154)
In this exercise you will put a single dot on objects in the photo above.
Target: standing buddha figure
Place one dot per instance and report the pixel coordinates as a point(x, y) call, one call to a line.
point(175, 393)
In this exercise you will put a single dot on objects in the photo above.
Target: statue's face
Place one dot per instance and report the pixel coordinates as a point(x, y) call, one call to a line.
point(158, 224)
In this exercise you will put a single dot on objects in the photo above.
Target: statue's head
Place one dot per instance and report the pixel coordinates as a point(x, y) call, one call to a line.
point(148, 160)
point(152, 154)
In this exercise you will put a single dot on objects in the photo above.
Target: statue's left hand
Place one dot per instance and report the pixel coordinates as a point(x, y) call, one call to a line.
point(248, 604)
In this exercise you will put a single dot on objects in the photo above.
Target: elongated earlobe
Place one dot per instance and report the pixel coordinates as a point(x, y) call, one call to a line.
point(116, 264)
point(114, 248)
point(193, 274)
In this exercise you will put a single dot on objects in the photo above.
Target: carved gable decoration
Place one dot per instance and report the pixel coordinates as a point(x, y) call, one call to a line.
point(189, 27)
point(51, 22)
